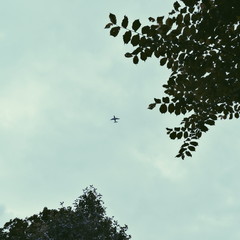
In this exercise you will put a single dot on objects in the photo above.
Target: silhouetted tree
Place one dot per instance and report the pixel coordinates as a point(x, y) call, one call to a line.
point(86, 220)
point(199, 42)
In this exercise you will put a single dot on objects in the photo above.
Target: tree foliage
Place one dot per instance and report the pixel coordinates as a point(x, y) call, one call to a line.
point(86, 220)
point(199, 42)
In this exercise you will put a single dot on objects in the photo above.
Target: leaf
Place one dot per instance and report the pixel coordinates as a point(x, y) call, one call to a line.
point(149, 52)
point(179, 135)
point(213, 117)
point(113, 18)
point(163, 61)
point(136, 25)
point(199, 134)
point(151, 106)
point(176, 6)
point(108, 25)
point(163, 108)
point(203, 128)
point(114, 31)
point(125, 22)
point(183, 110)
point(127, 37)
point(169, 22)
point(187, 19)
point(143, 41)
point(157, 100)
point(165, 99)
point(135, 60)
point(210, 122)
point(179, 19)
point(171, 108)
point(188, 154)
point(143, 56)
point(151, 19)
point(178, 155)
point(191, 148)
point(146, 30)
point(160, 20)
point(170, 63)
point(173, 135)
point(128, 55)
point(135, 40)
point(194, 143)
point(137, 51)
point(157, 53)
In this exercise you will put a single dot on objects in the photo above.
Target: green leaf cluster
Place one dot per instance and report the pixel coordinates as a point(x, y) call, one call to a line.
point(199, 41)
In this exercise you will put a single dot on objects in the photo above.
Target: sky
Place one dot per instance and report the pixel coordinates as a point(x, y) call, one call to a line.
point(63, 77)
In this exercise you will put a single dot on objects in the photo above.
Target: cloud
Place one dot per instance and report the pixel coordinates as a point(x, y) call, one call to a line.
point(21, 104)
point(5, 216)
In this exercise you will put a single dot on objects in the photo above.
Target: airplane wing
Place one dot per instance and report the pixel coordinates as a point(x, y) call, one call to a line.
point(115, 118)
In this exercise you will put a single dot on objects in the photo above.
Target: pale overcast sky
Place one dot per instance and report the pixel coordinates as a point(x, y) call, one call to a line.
point(62, 79)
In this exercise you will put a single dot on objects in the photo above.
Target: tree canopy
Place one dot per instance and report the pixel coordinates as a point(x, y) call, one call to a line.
point(86, 220)
point(199, 42)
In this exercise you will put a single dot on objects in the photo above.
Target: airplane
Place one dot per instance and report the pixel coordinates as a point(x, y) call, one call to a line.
point(115, 119)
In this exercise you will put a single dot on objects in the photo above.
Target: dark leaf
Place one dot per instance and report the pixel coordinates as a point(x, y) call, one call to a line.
point(169, 22)
point(151, 106)
point(210, 122)
point(179, 18)
point(114, 31)
point(143, 41)
point(157, 53)
point(151, 19)
point(113, 18)
point(137, 51)
point(213, 117)
point(176, 6)
point(165, 99)
point(128, 55)
point(169, 64)
point(188, 154)
point(108, 25)
point(199, 134)
point(146, 30)
point(160, 20)
point(178, 155)
point(135, 40)
point(187, 19)
point(171, 108)
point(172, 12)
point(179, 135)
point(191, 148)
point(173, 135)
point(157, 100)
point(127, 37)
point(177, 111)
point(125, 22)
point(203, 128)
point(163, 108)
point(163, 61)
point(135, 60)
point(194, 143)
point(143, 56)
point(136, 25)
